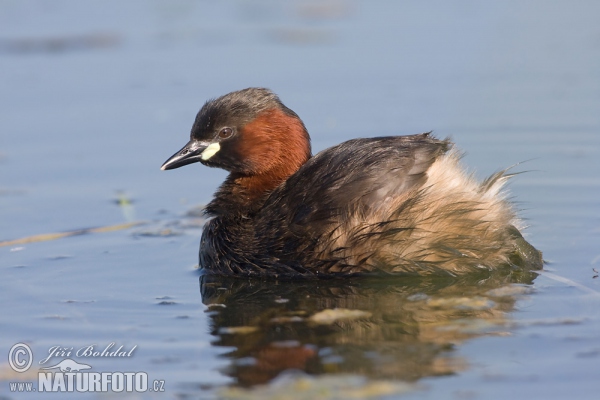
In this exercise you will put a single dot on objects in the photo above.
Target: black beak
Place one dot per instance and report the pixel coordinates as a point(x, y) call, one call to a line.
point(191, 153)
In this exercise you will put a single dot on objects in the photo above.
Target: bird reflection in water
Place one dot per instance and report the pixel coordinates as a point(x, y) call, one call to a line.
point(396, 329)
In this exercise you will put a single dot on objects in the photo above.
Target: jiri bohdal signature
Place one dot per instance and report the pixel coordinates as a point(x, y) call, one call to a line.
point(92, 351)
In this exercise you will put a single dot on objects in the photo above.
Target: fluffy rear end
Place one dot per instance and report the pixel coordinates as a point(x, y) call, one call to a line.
point(451, 224)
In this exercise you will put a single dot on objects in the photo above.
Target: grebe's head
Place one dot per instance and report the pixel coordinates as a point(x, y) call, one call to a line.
point(249, 132)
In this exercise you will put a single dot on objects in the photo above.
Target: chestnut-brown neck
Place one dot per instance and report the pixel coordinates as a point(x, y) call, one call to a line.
point(273, 146)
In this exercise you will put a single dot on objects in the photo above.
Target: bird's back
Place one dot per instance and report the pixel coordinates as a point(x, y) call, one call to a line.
point(386, 205)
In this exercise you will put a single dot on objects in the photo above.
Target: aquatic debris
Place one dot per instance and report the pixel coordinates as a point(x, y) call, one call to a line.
point(78, 301)
point(166, 301)
point(329, 316)
point(59, 44)
point(163, 229)
point(53, 236)
point(157, 232)
point(125, 203)
point(569, 282)
point(59, 257)
point(295, 385)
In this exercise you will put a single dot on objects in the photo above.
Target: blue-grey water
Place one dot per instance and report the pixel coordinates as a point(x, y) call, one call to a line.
point(95, 95)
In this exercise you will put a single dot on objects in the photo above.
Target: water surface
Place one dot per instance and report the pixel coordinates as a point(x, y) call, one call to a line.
point(96, 95)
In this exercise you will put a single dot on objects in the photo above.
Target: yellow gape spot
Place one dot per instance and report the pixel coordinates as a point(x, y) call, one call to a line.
point(210, 151)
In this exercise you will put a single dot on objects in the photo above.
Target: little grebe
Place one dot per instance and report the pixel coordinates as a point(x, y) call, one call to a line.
point(383, 205)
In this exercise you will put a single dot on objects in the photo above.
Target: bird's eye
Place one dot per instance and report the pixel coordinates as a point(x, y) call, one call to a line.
point(225, 133)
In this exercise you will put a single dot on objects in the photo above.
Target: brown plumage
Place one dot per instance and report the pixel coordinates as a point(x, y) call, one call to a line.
point(387, 205)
